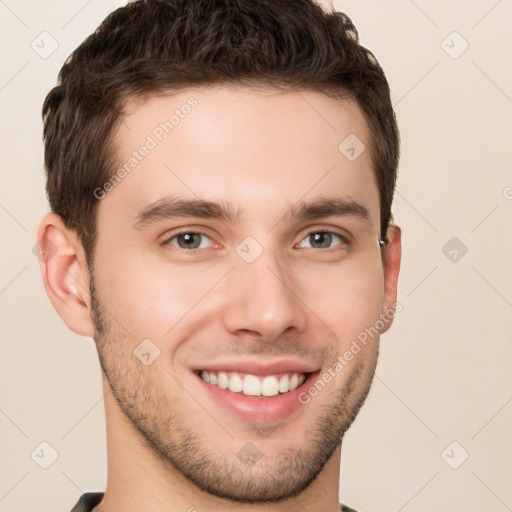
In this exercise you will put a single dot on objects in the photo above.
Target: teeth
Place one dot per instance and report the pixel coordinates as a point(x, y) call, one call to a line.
point(270, 386)
point(284, 384)
point(236, 384)
point(294, 381)
point(222, 380)
point(251, 385)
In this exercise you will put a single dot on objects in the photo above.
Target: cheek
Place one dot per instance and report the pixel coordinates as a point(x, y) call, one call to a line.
point(347, 299)
point(149, 299)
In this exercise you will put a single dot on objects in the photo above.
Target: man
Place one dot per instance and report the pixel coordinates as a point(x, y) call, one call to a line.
point(221, 175)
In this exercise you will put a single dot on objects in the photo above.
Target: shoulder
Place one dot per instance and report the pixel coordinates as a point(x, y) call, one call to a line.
point(344, 508)
point(87, 502)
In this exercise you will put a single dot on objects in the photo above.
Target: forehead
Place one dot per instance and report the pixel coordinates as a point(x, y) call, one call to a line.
point(261, 151)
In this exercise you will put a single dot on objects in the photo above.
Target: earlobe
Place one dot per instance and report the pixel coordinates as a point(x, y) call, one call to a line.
point(392, 269)
point(65, 273)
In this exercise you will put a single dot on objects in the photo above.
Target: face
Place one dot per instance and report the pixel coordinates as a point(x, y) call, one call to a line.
point(240, 248)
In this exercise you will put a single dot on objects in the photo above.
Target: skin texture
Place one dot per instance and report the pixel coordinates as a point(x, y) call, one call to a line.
point(170, 446)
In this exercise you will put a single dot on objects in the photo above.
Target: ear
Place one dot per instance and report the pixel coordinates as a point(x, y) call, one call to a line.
point(391, 270)
point(65, 273)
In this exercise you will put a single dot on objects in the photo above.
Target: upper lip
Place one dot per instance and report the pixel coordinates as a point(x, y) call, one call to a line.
point(258, 367)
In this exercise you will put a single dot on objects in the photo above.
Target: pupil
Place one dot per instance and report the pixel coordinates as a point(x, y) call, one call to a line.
point(323, 239)
point(189, 240)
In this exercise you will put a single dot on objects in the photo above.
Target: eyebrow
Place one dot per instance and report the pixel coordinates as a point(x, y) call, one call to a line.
point(171, 207)
point(329, 207)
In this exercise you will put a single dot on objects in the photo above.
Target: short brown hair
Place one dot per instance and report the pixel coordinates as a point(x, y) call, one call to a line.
point(152, 46)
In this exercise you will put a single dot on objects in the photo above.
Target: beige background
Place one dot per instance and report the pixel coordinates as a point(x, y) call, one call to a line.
point(445, 368)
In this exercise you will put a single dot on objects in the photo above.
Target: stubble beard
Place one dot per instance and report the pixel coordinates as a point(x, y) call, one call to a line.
point(272, 478)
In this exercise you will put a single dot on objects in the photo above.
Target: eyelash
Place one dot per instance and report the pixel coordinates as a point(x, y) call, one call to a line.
point(344, 241)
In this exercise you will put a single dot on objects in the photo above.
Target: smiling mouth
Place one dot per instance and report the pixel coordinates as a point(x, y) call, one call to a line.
point(254, 386)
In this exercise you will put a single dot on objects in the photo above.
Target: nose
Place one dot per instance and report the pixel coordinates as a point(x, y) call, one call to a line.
point(263, 300)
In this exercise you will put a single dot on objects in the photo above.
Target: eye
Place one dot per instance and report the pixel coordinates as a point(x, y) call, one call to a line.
point(323, 239)
point(188, 240)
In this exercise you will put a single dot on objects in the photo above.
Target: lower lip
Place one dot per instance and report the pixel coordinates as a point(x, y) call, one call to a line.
point(259, 410)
